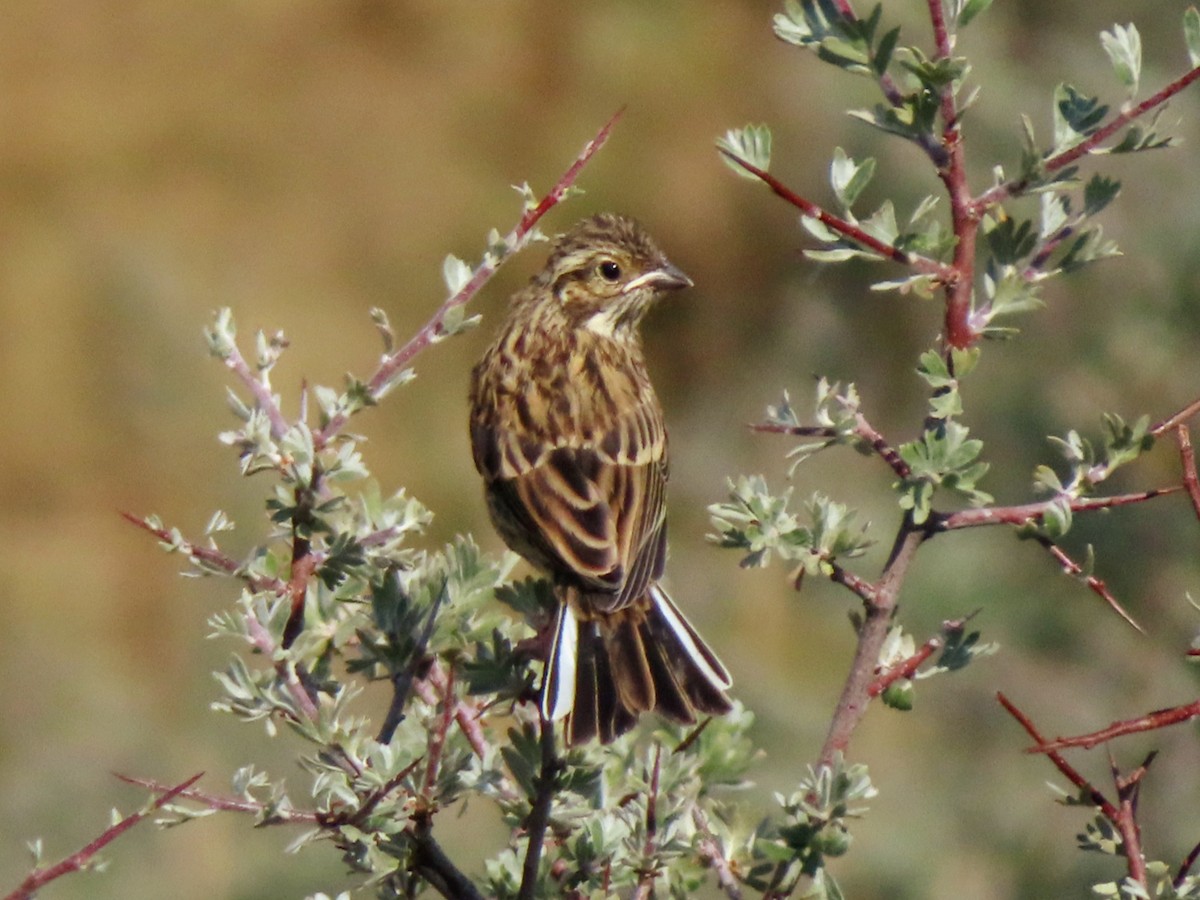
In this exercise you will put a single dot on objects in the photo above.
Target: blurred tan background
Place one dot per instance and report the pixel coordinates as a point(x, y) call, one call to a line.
point(303, 162)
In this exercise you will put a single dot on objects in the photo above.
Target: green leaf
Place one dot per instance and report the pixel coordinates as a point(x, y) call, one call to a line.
point(848, 177)
point(883, 53)
point(1124, 48)
point(455, 273)
point(1191, 34)
point(1075, 116)
point(1010, 240)
point(1098, 193)
point(970, 10)
point(899, 695)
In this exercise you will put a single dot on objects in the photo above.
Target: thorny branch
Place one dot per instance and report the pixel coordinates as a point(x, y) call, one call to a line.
point(1122, 815)
point(77, 861)
point(1054, 163)
point(842, 226)
point(515, 240)
point(1151, 721)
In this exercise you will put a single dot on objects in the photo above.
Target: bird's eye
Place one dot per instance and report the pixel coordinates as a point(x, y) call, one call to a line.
point(609, 271)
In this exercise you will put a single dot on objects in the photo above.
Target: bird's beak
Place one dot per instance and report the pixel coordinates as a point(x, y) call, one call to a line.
point(666, 278)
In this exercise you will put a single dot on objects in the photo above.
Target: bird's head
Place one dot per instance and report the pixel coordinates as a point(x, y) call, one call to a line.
point(606, 272)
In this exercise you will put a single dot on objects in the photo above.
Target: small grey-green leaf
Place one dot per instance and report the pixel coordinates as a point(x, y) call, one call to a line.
point(456, 273)
point(1124, 48)
point(1191, 34)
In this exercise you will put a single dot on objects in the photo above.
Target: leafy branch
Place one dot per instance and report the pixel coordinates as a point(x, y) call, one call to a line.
point(986, 263)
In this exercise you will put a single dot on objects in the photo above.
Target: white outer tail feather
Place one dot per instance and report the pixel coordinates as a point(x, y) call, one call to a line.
point(683, 631)
point(559, 698)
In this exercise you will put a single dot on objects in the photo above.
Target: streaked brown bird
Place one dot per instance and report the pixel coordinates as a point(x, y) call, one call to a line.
point(568, 435)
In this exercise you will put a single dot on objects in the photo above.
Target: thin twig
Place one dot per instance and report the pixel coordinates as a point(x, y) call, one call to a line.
point(209, 556)
point(645, 884)
point(1187, 458)
point(227, 804)
point(1175, 419)
point(906, 668)
point(711, 855)
point(516, 239)
point(1069, 772)
point(466, 713)
point(539, 813)
point(838, 575)
point(261, 389)
point(1060, 160)
point(863, 430)
point(40, 877)
point(261, 640)
point(1151, 721)
point(842, 226)
point(1128, 790)
point(303, 565)
point(1097, 585)
point(437, 740)
point(1027, 513)
point(402, 681)
point(1185, 867)
point(692, 736)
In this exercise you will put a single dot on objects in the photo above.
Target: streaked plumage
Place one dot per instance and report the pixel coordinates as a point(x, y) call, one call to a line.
point(569, 437)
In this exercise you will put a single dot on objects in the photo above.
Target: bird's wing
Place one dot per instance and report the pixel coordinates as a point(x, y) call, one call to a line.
point(595, 513)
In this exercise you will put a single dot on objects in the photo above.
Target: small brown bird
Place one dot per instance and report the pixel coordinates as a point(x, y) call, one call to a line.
point(569, 437)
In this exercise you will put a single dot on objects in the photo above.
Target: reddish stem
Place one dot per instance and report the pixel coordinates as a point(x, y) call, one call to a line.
point(437, 739)
point(855, 697)
point(38, 878)
point(906, 668)
point(395, 361)
point(840, 225)
point(1031, 512)
point(1187, 458)
point(1159, 718)
point(227, 804)
point(1097, 585)
point(208, 555)
point(1012, 188)
point(862, 429)
point(1106, 808)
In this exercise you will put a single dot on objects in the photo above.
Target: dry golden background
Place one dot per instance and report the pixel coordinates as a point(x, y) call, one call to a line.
point(302, 162)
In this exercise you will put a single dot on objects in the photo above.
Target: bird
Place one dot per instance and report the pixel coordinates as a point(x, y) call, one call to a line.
point(569, 437)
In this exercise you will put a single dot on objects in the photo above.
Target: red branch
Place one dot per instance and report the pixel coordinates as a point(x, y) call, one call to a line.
point(862, 430)
point(207, 555)
point(1097, 585)
point(1011, 188)
point(81, 858)
point(1159, 718)
point(259, 387)
point(905, 669)
point(228, 804)
point(1031, 512)
point(437, 739)
point(1187, 458)
point(709, 849)
point(395, 361)
point(841, 226)
point(1069, 772)
point(1176, 419)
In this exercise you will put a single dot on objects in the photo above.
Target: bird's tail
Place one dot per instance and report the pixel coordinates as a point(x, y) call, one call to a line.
point(605, 669)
